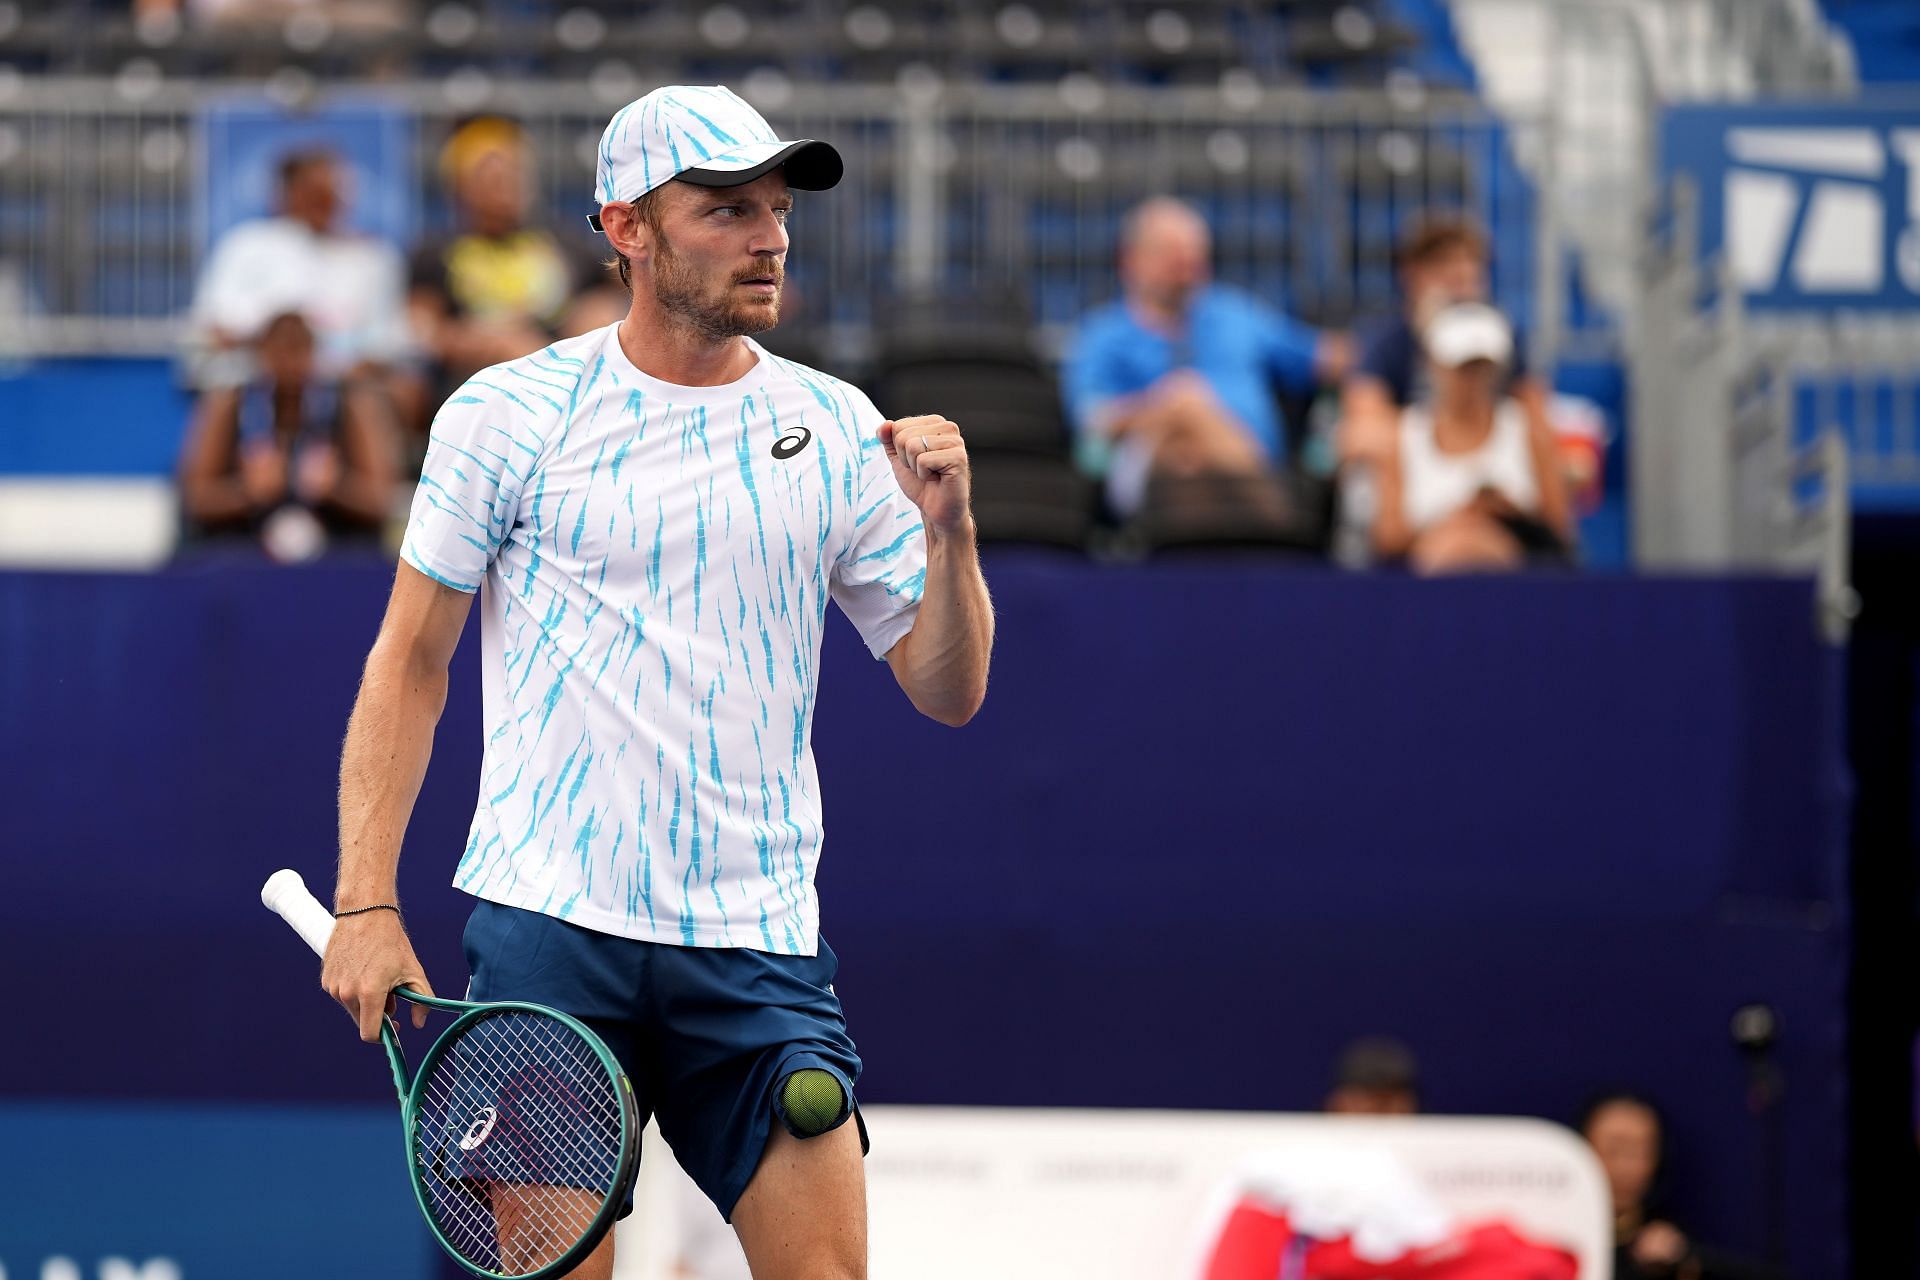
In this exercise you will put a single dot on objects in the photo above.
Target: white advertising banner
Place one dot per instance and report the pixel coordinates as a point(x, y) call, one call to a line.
point(959, 1193)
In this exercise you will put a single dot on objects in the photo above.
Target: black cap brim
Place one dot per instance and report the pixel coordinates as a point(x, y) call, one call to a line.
point(811, 165)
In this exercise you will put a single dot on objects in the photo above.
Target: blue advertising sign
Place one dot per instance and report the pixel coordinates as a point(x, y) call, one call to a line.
point(1817, 204)
point(191, 1192)
point(243, 138)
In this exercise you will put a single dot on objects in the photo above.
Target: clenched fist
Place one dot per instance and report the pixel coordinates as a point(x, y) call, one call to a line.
point(930, 463)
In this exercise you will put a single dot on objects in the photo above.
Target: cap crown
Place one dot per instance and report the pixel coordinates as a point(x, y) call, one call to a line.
point(675, 128)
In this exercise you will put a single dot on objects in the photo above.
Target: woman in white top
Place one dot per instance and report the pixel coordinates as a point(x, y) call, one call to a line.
point(1471, 486)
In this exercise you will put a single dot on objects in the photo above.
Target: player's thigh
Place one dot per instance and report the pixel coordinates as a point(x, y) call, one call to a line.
point(599, 1263)
point(537, 1224)
point(804, 1214)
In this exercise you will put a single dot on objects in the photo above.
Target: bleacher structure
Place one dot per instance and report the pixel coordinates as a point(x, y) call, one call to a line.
point(991, 149)
point(989, 146)
point(1150, 41)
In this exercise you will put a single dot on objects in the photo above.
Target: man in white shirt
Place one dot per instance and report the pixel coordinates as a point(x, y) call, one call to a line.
point(655, 515)
point(350, 287)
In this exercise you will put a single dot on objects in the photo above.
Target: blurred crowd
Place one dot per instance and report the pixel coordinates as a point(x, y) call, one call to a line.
point(319, 353)
point(1445, 457)
point(1317, 41)
point(1380, 1076)
point(1190, 411)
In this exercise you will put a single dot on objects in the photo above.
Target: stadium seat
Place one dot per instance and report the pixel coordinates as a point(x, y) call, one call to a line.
point(990, 382)
point(1225, 513)
point(1031, 500)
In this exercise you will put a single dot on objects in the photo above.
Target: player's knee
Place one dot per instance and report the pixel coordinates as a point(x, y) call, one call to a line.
point(811, 1102)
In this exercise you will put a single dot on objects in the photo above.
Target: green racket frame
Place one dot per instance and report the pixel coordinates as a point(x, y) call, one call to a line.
point(408, 1085)
point(285, 894)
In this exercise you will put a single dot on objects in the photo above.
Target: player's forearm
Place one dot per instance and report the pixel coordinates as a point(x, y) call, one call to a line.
point(368, 466)
point(948, 650)
point(366, 497)
point(389, 740)
point(1392, 532)
point(213, 500)
point(1556, 503)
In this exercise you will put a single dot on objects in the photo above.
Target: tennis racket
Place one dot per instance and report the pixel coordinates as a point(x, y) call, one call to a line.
point(522, 1134)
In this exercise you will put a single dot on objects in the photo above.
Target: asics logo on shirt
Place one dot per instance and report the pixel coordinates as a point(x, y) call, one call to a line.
point(791, 443)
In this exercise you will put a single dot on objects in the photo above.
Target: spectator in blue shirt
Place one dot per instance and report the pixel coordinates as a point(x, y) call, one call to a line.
point(1178, 376)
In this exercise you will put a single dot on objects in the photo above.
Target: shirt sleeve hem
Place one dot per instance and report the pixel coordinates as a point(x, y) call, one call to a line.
point(890, 631)
point(413, 557)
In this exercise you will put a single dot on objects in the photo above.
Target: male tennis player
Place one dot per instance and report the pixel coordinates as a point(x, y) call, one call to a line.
point(655, 515)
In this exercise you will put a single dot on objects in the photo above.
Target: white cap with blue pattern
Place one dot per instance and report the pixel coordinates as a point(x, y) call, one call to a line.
point(706, 135)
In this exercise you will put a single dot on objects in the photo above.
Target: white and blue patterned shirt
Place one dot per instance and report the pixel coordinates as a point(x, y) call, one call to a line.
point(654, 563)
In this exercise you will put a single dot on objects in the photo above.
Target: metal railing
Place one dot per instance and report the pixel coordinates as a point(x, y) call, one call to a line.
point(1585, 82)
point(952, 188)
point(1721, 475)
point(1858, 377)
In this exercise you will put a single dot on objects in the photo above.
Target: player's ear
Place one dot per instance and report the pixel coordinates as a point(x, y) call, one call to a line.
point(626, 231)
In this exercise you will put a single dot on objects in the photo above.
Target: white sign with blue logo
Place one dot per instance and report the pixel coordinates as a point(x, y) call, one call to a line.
point(1817, 205)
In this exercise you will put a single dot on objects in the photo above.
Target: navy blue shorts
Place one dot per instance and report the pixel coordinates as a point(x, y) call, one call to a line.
point(705, 1033)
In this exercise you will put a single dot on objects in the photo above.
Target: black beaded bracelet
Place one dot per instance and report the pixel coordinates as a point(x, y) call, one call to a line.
point(378, 906)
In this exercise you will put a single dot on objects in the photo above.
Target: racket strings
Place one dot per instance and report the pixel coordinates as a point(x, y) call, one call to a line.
point(518, 1138)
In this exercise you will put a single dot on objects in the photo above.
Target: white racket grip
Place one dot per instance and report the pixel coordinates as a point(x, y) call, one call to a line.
point(285, 893)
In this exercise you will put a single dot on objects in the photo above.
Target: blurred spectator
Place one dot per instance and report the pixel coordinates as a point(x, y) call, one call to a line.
point(500, 288)
point(1628, 1136)
point(350, 287)
point(1376, 1076)
point(1361, 1213)
point(293, 457)
point(1441, 261)
point(1178, 376)
point(1473, 482)
point(361, 16)
point(1580, 430)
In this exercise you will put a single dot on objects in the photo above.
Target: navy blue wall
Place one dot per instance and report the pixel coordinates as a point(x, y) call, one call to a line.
point(1214, 820)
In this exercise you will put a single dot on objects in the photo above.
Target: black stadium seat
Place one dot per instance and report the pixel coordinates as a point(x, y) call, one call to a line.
point(997, 390)
point(1036, 501)
point(986, 376)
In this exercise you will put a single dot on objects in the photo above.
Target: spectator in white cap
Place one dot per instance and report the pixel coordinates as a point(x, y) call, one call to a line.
point(1474, 482)
point(659, 511)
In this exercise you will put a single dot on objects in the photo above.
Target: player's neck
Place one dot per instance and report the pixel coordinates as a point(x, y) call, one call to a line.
point(677, 353)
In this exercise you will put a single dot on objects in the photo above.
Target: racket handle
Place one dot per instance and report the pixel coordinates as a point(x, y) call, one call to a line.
point(285, 893)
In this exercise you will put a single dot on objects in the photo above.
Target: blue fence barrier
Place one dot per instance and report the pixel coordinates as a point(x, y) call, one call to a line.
point(1214, 820)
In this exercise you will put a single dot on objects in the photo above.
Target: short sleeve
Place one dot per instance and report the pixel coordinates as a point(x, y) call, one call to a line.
point(881, 574)
point(478, 460)
point(385, 334)
point(1518, 369)
point(222, 284)
point(1386, 354)
point(1092, 378)
point(246, 282)
point(1291, 350)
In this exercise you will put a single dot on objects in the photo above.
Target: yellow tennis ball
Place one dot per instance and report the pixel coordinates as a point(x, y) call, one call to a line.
point(814, 1101)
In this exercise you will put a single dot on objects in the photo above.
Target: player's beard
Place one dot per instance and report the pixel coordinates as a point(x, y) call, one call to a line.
point(683, 294)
